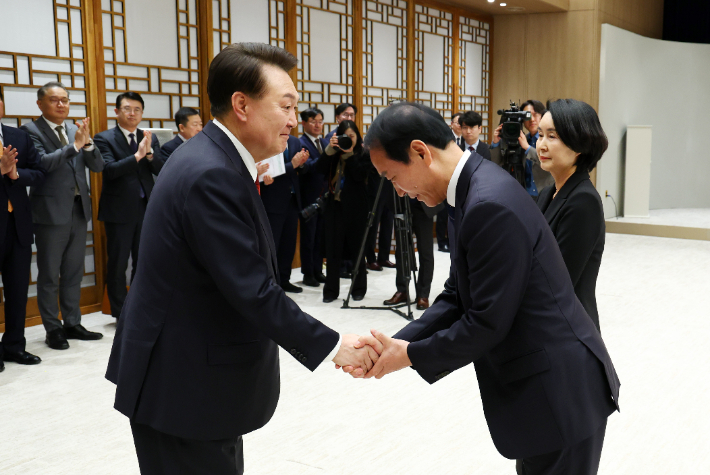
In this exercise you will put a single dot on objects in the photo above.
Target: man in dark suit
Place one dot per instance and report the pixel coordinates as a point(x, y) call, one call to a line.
point(456, 129)
point(546, 380)
point(61, 211)
point(471, 125)
point(536, 178)
point(131, 158)
point(21, 167)
point(195, 356)
point(344, 111)
point(189, 124)
point(282, 201)
point(313, 186)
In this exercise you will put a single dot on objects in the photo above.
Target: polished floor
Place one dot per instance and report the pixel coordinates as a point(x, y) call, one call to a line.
point(654, 301)
point(682, 217)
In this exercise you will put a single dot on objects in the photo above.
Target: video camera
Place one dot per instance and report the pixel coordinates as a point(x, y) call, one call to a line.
point(512, 154)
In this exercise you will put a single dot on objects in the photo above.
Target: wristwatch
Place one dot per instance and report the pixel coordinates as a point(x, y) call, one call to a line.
point(90, 143)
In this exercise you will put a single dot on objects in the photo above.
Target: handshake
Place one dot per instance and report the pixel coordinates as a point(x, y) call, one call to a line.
point(370, 356)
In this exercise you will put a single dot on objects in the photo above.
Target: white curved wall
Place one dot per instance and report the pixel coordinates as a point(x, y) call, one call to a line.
point(665, 84)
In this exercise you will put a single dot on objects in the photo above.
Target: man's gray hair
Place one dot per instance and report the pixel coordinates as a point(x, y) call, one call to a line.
point(43, 90)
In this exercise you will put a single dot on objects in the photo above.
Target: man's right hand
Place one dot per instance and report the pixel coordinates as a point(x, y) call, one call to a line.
point(357, 361)
point(496, 134)
point(144, 146)
point(8, 160)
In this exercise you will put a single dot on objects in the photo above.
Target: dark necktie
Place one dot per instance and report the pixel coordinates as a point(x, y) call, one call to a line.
point(471, 149)
point(258, 187)
point(60, 131)
point(134, 149)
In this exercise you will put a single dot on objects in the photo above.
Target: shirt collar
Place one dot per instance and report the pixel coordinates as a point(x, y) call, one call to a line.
point(474, 145)
point(52, 125)
point(451, 190)
point(126, 132)
point(313, 139)
point(182, 138)
point(246, 156)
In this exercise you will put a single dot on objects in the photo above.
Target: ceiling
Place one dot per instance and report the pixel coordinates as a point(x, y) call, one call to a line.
point(513, 6)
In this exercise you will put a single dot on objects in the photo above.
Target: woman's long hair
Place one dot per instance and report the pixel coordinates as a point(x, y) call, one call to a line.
point(349, 124)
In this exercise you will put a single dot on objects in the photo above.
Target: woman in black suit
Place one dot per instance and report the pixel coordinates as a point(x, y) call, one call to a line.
point(346, 208)
point(571, 143)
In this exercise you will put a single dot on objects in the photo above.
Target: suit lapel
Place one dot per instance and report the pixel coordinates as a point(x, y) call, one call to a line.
point(224, 142)
point(49, 134)
point(121, 141)
point(557, 202)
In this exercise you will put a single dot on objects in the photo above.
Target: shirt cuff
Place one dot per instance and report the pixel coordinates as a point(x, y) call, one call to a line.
point(77, 150)
point(333, 352)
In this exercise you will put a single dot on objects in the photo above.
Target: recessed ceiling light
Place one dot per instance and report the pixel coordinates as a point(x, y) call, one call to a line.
point(491, 1)
point(503, 4)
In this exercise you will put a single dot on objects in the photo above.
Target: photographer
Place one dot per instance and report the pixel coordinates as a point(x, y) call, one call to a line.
point(346, 209)
point(535, 177)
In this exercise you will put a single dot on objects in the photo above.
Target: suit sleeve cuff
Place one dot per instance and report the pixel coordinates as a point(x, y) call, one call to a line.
point(333, 352)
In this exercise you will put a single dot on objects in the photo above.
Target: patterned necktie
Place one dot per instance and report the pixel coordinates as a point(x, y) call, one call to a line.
point(60, 132)
point(318, 146)
point(471, 149)
point(9, 205)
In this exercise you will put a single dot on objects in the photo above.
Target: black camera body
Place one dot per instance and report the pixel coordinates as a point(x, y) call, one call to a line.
point(344, 142)
point(314, 208)
point(512, 154)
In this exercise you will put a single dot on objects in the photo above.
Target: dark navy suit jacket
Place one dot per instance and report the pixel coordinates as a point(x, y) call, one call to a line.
point(312, 181)
point(483, 149)
point(195, 353)
point(545, 377)
point(31, 174)
point(277, 195)
point(123, 176)
point(169, 147)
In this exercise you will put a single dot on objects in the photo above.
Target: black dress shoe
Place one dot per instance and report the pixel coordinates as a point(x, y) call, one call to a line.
point(358, 297)
point(289, 287)
point(345, 275)
point(2, 366)
point(56, 340)
point(328, 299)
point(398, 297)
point(21, 357)
point(310, 281)
point(388, 264)
point(80, 333)
point(374, 266)
point(320, 277)
point(444, 248)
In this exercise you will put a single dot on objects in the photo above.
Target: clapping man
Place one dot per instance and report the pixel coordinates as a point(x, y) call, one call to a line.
point(282, 200)
point(131, 156)
point(545, 377)
point(195, 356)
point(61, 211)
point(21, 167)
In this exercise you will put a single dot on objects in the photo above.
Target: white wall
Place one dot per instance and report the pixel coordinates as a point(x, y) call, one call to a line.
point(665, 84)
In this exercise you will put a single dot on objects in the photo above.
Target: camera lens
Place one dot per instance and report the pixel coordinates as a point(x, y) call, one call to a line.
point(344, 142)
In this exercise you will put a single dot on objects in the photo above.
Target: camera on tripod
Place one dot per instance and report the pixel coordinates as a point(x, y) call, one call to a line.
point(315, 208)
point(512, 153)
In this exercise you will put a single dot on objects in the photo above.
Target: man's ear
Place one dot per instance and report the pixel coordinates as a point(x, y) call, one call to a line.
point(419, 150)
point(239, 105)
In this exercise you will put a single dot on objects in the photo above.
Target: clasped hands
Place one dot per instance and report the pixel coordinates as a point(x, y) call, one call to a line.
point(370, 356)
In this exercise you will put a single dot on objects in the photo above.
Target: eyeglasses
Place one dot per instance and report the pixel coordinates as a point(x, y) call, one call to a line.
point(56, 100)
point(315, 122)
point(128, 110)
point(347, 116)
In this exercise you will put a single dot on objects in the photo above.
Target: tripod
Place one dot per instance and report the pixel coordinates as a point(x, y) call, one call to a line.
point(403, 228)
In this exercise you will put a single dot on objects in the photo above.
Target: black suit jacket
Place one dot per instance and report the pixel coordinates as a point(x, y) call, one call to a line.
point(277, 195)
point(312, 180)
point(545, 377)
point(31, 174)
point(169, 147)
point(576, 217)
point(123, 176)
point(195, 353)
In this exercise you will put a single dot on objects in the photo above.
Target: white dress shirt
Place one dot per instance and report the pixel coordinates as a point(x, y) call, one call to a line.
point(54, 126)
point(451, 190)
point(475, 145)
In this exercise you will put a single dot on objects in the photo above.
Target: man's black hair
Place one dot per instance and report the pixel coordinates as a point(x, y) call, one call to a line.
point(311, 113)
point(2, 98)
point(42, 91)
point(183, 115)
point(394, 129)
point(134, 96)
point(471, 119)
point(341, 108)
point(577, 125)
point(349, 124)
point(538, 106)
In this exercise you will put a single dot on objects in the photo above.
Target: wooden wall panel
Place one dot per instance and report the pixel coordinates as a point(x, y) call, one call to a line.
point(644, 17)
